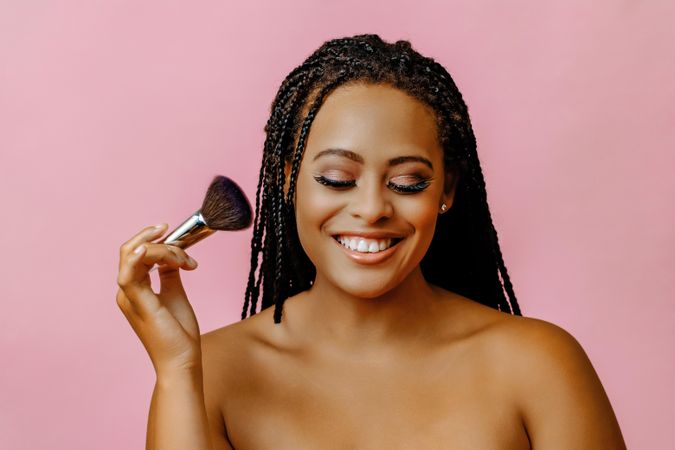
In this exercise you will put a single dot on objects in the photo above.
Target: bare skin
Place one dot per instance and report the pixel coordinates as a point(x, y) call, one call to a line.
point(372, 356)
point(487, 380)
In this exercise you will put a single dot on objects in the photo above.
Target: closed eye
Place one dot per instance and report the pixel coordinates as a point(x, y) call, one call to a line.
point(401, 188)
point(334, 183)
point(409, 188)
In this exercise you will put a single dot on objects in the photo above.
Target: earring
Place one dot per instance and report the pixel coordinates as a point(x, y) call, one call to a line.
point(443, 208)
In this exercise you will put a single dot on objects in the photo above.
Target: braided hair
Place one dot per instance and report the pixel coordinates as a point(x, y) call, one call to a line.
point(464, 254)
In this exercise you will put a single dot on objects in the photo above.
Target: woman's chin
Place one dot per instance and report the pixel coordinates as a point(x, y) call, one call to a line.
point(367, 288)
point(361, 283)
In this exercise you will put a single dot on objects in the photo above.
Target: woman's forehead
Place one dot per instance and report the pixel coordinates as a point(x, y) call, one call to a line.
point(375, 118)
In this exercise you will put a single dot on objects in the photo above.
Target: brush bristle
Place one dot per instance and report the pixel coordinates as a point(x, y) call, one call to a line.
point(225, 206)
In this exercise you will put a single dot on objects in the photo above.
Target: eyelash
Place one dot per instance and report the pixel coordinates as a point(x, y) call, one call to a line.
point(413, 188)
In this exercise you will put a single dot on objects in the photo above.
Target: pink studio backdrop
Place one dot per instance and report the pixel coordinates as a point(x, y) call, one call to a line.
point(116, 115)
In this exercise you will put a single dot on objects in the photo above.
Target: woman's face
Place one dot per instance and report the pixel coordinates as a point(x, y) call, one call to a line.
point(371, 174)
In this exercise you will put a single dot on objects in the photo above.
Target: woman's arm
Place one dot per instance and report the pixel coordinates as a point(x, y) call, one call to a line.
point(166, 325)
point(184, 414)
point(563, 403)
point(177, 418)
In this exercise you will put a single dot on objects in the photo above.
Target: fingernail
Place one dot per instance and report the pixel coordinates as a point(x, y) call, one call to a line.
point(139, 249)
point(161, 225)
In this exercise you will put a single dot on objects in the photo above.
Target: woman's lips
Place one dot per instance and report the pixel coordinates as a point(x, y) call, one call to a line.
point(369, 258)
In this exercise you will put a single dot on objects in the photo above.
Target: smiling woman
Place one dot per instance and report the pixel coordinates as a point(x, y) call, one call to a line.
point(401, 328)
point(391, 186)
point(421, 112)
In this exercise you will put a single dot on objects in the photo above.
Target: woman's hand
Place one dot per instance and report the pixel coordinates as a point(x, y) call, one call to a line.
point(164, 322)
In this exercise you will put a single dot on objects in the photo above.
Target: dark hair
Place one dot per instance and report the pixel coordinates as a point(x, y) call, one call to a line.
point(464, 254)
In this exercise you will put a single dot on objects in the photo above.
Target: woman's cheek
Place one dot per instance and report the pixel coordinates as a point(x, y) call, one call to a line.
point(420, 213)
point(317, 204)
point(313, 208)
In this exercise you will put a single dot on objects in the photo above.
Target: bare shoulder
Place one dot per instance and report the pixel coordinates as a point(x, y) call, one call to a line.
point(226, 349)
point(535, 343)
point(553, 383)
point(233, 338)
point(539, 353)
point(523, 344)
point(231, 352)
point(219, 343)
point(225, 354)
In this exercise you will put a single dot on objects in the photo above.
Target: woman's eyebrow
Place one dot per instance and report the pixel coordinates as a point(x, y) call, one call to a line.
point(357, 158)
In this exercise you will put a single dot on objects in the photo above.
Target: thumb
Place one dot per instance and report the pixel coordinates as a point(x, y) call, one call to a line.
point(171, 285)
point(174, 298)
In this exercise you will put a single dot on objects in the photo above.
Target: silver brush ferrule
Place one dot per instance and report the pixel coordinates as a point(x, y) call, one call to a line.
point(191, 231)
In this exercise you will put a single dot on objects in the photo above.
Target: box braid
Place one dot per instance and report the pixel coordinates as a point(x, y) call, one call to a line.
point(464, 255)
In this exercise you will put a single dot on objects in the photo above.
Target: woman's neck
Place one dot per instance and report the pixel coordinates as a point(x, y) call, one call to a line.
point(333, 316)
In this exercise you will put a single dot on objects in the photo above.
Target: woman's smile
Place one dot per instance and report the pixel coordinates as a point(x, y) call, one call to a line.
point(364, 245)
point(366, 251)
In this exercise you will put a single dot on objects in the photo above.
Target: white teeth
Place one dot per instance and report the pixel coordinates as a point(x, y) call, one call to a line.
point(365, 245)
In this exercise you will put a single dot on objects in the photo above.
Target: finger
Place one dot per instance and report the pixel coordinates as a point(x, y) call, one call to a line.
point(133, 279)
point(135, 266)
point(147, 234)
point(171, 285)
point(168, 257)
point(174, 298)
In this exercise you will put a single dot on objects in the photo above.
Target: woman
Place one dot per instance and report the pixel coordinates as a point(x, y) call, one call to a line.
point(377, 245)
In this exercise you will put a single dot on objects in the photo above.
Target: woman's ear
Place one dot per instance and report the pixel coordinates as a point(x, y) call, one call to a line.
point(450, 187)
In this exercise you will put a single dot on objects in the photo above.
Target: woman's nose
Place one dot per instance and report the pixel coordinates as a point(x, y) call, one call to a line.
point(370, 202)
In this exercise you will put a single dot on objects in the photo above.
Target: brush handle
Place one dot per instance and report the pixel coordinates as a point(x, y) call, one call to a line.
point(191, 231)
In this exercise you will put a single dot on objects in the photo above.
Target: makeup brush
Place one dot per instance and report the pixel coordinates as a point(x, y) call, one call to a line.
point(225, 208)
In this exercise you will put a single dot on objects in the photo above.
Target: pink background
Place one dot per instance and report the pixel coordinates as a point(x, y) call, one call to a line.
point(116, 115)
